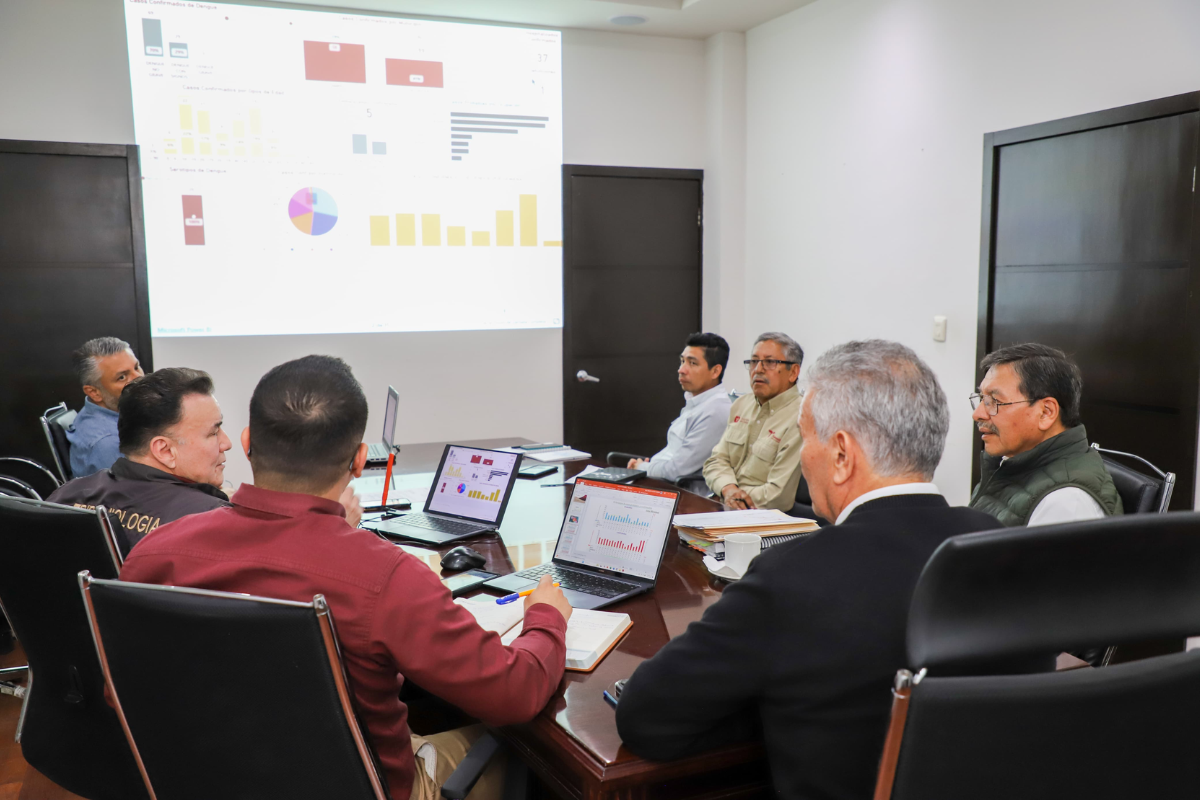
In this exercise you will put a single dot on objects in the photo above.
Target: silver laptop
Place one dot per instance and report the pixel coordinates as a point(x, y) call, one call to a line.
point(610, 546)
point(378, 453)
point(468, 497)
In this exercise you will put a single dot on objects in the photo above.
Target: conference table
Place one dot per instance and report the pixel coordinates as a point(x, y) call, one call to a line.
point(572, 745)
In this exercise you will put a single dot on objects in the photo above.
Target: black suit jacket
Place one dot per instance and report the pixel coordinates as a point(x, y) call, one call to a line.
point(808, 642)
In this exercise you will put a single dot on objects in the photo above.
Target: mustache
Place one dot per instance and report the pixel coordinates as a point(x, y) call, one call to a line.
point(987, 427)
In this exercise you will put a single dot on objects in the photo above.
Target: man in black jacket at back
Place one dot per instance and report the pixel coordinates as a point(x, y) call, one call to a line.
point(807, 644)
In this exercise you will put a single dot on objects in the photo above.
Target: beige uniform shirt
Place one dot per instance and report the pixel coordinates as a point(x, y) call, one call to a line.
point(760, 451)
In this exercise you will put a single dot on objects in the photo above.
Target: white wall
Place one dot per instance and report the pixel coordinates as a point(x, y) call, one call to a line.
point(865, 123)
point(627, 101)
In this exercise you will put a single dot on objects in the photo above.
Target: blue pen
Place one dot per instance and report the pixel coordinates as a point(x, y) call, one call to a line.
point(508, 598)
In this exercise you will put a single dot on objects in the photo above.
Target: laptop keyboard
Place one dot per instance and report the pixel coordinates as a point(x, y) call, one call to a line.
point(377, 452)
point(579, 581)
point(438, 524)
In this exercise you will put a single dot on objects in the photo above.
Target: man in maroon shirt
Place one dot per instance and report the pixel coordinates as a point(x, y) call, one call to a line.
point(287, 537)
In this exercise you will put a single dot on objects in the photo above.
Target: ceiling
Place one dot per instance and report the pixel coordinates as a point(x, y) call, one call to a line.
point(689, 19)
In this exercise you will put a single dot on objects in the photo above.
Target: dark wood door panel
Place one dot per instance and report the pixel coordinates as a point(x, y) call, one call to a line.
point(631, 296)
point(64, 208)
point(1089, 245)
point(1120, 194)
point(659, 304)
point(1122, 325)
point(634, 222)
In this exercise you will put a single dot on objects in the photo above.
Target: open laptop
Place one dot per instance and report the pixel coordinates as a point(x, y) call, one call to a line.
point(610, 546)
point(468, 497)
point(377, 454)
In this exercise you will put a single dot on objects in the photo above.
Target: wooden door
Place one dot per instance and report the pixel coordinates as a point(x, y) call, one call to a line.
point(1093, 250)
point(631, 297)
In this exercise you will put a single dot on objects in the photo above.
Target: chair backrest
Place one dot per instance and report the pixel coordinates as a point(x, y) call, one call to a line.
point(1023, 591)
point(29, 472)
point(54, 424)
point(1104, 734)
point(999, 596)
point(220, 690)
point(1140, 493)
point(66, 730)
point(15, 487)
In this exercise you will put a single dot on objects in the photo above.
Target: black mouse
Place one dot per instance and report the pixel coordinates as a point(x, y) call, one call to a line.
point(461, 558)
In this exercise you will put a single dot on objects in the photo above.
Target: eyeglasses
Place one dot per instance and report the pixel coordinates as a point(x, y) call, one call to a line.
point(991, 404)
point(765, 363)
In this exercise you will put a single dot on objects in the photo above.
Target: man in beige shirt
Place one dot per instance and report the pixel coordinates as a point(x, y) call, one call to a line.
point(757, 462)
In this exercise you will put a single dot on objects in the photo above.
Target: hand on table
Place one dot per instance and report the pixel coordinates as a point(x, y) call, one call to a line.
point(735, 498)
point(546, 592)
point(636, 463)
point(349, 501)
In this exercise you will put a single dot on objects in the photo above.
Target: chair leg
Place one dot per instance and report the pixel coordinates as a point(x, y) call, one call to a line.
point(516, 779)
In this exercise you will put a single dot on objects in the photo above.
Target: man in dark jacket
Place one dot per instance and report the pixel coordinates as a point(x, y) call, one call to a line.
point(805, 647)
point(170, 432)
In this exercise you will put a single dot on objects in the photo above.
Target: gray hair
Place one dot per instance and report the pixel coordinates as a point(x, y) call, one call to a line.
point(887, 398)
point(791, 350)
point(85, 359)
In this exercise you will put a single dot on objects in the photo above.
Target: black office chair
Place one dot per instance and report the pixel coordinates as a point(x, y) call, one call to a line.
point(803, 506)
point(65, 729)
point(55, 421)
point(222, 692)
point(1025, 593)
point(219, 690)
point(1140, 493)
point(24, 477)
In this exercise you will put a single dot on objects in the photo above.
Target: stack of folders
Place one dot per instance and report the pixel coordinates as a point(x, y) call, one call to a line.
point(706, 532)
point(590, 634)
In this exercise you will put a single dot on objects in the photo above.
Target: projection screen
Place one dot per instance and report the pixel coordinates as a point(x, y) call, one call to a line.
point(319, 172)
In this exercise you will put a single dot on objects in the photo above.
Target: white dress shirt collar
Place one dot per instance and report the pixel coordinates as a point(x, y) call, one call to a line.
point(690, 400)
point(886, 491)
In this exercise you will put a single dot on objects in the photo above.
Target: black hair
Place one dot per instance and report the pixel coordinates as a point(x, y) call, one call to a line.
point(1044, 371)
point(153, 403)
point(716, 349)
point(307, 419)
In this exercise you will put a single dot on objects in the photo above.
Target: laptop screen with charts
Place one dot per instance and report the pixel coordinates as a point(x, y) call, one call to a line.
point(473, 484)
point(622, 529)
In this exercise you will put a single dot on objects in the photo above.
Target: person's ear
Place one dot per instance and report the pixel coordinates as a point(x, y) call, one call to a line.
point(94, 395)
point(718, 371)
point(360, 460)
point(794, 373)
point(163, 450)
point(245, 438)
point(1048, 413)
point(843, 454)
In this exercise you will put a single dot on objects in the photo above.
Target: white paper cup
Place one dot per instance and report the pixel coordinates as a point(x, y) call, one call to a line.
point(740, 550)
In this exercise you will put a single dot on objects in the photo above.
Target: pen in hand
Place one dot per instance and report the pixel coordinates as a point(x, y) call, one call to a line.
point(509, 598)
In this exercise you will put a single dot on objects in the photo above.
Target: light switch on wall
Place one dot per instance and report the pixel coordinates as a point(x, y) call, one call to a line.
point(939, 328)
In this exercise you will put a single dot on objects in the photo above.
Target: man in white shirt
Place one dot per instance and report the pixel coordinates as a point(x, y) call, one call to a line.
point(1037, 467)
point(698, 428)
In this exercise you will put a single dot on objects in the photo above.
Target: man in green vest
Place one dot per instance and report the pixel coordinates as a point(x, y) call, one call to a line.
point(1037, 468)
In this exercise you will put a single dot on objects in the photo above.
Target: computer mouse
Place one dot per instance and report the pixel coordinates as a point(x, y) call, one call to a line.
point(461, 558)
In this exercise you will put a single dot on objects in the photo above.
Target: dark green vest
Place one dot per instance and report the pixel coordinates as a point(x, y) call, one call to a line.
point(1011, 490)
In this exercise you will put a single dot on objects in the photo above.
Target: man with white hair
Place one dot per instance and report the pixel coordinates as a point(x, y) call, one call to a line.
point(806, 645)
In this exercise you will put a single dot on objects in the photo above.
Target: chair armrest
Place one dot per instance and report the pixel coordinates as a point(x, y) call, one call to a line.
point(618, 459)
point(463, 779)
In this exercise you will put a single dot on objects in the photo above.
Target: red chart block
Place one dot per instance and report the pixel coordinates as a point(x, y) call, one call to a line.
point(414, 73)
point(335, 61)
point(193, 219)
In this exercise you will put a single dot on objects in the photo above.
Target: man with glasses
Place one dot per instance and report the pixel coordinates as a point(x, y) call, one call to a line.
point(1037, 467)
point(757, 462)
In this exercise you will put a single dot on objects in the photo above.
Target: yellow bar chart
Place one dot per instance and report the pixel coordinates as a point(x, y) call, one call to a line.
point(458, 235)
point(478, 495)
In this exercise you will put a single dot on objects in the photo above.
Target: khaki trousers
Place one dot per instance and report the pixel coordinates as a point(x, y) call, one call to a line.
point(449, 749)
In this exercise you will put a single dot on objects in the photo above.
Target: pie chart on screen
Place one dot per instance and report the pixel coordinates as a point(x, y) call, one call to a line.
point(313, 211)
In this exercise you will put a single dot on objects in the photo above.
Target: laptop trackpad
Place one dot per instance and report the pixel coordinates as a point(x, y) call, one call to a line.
point(510, 583)
point(581, 600)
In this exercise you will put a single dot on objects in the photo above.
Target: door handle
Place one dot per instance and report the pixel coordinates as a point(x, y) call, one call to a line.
point(583, 377)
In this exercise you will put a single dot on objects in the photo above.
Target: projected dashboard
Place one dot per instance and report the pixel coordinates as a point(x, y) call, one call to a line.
point(317, 172)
